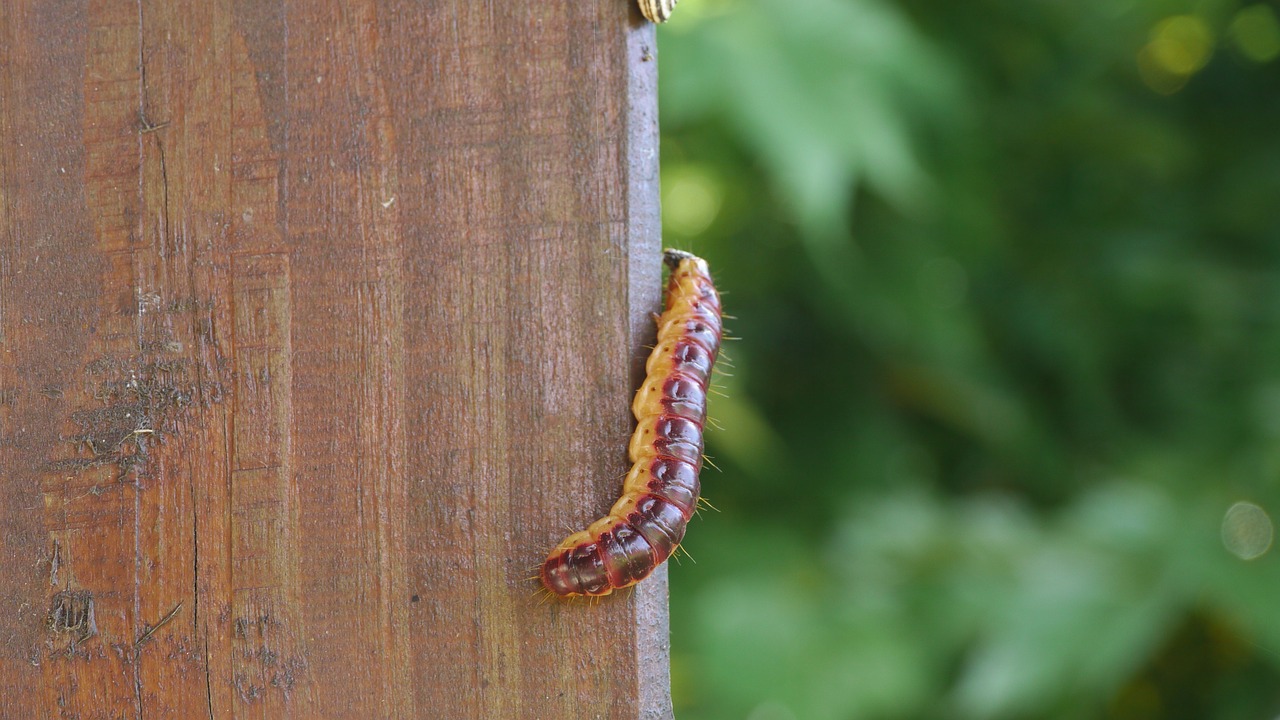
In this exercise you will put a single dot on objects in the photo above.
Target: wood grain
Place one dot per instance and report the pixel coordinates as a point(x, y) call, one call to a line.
point(318, 327)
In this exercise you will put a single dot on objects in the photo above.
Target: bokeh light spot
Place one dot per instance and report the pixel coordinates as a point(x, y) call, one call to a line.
point(1257, 33)
point(1247, 531)
point(691, 200)
point(1156, 77)
point(1179, 46)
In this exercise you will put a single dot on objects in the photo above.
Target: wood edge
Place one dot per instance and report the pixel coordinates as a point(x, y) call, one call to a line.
point(644, 257)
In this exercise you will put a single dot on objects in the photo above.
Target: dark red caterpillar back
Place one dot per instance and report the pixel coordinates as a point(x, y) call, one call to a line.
point(660, 494)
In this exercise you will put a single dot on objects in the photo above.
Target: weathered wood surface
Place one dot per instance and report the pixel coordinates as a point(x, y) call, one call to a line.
point(319, 323)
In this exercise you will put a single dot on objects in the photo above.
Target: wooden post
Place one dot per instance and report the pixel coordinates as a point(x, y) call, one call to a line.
point(319, 322)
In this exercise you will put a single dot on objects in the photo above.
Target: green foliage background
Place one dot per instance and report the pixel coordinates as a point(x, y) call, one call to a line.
point(1007, 278)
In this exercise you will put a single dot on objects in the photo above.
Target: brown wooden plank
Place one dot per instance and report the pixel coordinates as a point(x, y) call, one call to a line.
point(318, 325)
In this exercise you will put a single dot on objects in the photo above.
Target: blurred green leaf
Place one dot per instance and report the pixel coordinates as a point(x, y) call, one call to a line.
point(1007, 278)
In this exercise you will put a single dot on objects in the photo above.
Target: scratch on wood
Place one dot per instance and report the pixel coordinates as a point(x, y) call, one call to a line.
point(145, 128)
point(163, 621)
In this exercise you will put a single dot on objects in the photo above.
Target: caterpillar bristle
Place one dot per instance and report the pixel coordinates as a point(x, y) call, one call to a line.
point(707, 459)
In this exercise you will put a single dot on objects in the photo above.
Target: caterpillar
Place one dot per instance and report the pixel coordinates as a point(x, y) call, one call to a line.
point(660, 494)
point(657, 10)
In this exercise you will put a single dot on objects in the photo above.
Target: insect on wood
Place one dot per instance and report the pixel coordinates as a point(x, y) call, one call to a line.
point(660, 493)
point(658, 11)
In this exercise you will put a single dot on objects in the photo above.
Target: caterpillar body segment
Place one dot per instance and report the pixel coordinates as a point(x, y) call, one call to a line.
point(660, 493)
point(683, 356)
point(667, 436)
